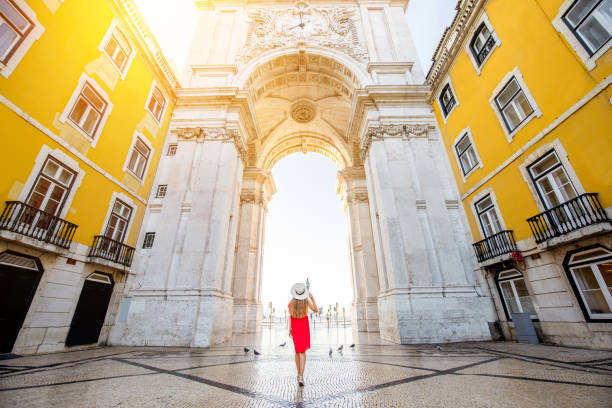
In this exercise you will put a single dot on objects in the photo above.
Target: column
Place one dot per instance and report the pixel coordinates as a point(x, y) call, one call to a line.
point(429, 292)
point(354, 189)
point(257, 189)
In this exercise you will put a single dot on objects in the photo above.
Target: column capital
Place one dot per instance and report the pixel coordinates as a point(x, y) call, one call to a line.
point(222, 134)
point(257, 186)
point(380, 131)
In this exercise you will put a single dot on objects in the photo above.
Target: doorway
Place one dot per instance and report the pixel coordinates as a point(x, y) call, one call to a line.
point(19, 277)
point(91, 310)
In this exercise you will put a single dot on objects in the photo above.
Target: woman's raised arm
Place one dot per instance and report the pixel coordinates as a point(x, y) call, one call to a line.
point(312, 304)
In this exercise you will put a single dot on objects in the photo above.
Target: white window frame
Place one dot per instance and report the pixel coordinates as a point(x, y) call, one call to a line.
point(466, 132)
point(452, 89)
point(64, 118)
point(62, 157)
point(589, 61)
point(482, 194)
point(146, 107)
point(144, 239)
point(21, 50)
point(597, 274)
point(483, 19)
point(114, 26)
point(127, 200)
point(498, 282)
point(160, 188)
point(170, 147)
point(537, 112)
point(538, 154)
point(138, 135)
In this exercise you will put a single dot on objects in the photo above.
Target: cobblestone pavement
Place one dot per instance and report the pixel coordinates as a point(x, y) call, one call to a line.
point(373, 374)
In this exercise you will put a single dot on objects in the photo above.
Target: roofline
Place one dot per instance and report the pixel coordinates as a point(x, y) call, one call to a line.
point(146, 40)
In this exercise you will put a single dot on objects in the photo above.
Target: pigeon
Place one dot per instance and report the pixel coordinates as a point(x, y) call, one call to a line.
point(352, 345)
point(246, 350)
point(440, 348)
point(341, 347)
point(330, 352)
point(256, 352)
point(283, 345)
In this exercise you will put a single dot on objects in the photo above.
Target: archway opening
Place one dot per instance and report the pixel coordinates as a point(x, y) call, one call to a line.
point(306, 237)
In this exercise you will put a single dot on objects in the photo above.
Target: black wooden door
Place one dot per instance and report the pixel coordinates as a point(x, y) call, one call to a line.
point(90, 313)
point(17, 288)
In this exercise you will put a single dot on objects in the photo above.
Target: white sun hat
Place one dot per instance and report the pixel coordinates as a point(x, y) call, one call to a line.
point(299, 291)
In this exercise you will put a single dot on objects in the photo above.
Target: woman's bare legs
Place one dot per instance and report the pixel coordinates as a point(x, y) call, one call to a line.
point(297, 362)
point(302, 363)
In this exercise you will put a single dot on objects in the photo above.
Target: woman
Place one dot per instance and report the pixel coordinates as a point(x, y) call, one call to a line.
point(300, 330)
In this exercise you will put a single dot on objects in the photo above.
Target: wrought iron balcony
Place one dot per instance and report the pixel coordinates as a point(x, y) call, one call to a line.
point(486, 49)
point(111, 250)
point(30, 221)
point(572, 215)
point(495, 245)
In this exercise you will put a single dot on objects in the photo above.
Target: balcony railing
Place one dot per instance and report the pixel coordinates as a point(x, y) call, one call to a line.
point(111, 250)
point(30, 221)
point(486, 49)
point(572, 215)
point(495, 245)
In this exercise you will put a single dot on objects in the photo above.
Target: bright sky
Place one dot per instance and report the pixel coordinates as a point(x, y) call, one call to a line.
point(306, 234)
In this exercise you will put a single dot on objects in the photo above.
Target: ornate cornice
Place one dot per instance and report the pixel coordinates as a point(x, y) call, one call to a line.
point(387, 131)
point(452, 40)
point(222, 134)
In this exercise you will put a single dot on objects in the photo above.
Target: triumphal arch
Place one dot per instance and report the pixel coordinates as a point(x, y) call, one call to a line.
point(265, 79)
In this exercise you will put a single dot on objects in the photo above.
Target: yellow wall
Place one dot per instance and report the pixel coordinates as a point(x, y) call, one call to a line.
point(42, 84)
point(557, 79)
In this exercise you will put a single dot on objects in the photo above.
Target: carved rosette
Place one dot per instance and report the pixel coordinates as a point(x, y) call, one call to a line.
point(382, 131)
point(221, 134)
point(332, 27)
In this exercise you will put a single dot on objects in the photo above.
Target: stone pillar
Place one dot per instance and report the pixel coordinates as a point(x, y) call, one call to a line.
point(428, 291)
point(257, 189)
point(182, 293)
point(364, 313)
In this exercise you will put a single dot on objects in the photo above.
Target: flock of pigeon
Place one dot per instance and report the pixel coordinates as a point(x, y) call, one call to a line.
point(331, 351)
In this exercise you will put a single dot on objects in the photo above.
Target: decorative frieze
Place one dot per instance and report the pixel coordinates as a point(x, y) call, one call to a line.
point(221, 134)
point(387, 131)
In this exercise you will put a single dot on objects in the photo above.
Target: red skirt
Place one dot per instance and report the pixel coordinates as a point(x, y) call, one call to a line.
point(300, 331)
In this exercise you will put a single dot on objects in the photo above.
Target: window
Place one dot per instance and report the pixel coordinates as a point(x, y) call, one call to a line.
point(590, 272)
point(466, 154)
point(118, 49)
point(139, 158)
point(512, 288)
point(118, 221)
point(51, 187)
point(14, 27)
point(591, 22)
point(513, 105)
point(482, 43)
point(172, 149)
point(88, 110)
point(156, 103)
point(148, 240)
point(161, 190)
point(447, 100)
point(487, 216)
point(551, 180)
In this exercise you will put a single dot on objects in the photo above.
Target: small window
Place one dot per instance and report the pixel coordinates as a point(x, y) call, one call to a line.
point(512, 288)
point(118, 221)
point(592, 280)
point(88, 110)
point(139, 158)
point(513, 105)
point(14, 27)
point(161, 190)
point(482, 43)
point(156, 104)
point(148, 240)
point(551, 180)
point(466, 154)
point(447, 100)
point(591, 23)
point(51, 187)
point(172, 149)
point(118, 49)
point(487, 216)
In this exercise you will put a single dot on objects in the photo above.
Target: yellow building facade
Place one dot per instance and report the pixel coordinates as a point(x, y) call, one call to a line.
point(84, 109)
point(521, 92)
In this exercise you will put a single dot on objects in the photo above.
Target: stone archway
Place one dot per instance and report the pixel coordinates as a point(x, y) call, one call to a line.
point(347, 85)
